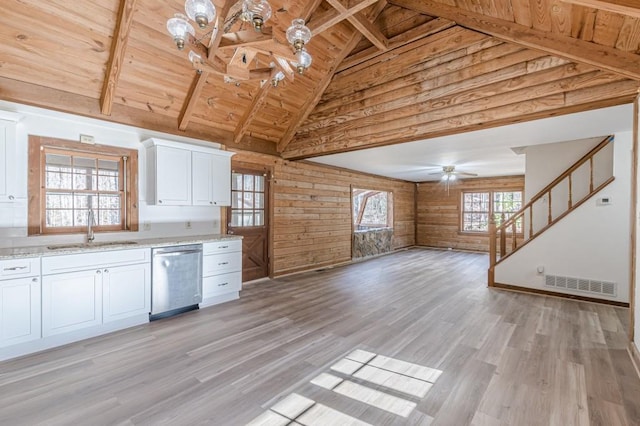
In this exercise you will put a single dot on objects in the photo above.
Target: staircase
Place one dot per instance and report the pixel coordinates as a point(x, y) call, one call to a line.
point(585, 178)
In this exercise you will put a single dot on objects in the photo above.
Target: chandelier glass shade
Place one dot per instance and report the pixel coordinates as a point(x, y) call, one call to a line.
point(200, 11)
point(180, 29)
point(257, 12)
point(303, 61)
point(298, 34)
point(277, 78)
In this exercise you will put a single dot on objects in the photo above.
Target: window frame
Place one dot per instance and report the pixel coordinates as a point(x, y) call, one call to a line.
point(491, 212)
point(357, 220)
point(38, 146)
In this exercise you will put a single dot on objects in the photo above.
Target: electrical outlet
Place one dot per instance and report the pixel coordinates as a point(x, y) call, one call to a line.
point(187, 224)
point(146, 226)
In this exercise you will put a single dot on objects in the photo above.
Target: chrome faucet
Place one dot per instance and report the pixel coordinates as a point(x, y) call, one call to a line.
point(91, 221)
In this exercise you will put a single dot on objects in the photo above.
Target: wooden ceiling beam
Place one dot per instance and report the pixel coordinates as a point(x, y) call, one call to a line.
point(258, 101)
point(429, 28)
point(361, 23)
point(246, 119)
point(338, 14)
point(325, 21)
point(200, 79)
point(321, 86)
point(370, 31)
point(623, 7)
point(118, 48)
point(245, 38)
point(603, 57)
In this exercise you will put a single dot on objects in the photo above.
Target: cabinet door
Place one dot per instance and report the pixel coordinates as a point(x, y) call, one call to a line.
point(173, 176)
point(126, 291)
point(7, 160)
point(221, 177)
point(71, 301)
point(19, 311)
point(203, 182)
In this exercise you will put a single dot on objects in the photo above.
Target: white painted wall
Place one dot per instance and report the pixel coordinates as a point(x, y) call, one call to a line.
point(162, 221)
point(592, 242)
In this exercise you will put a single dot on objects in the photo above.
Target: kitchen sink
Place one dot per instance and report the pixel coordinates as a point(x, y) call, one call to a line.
point(89, 245)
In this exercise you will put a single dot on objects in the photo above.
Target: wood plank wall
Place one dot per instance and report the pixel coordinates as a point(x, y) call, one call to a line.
point(311, 207)
point(438, 214)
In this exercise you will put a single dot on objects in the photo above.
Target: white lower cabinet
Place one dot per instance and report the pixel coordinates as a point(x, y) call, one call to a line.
point(71, 301)
point(19, 311)
point(126, 291)
point(110, 291)
point(19, 301)
point(76, 300)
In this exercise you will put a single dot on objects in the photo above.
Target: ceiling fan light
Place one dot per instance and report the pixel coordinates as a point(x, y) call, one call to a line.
point(179, 28)
point(298, 34)
point(302, 61)
point(258, 11)
point(200, 11)
point(452, 177)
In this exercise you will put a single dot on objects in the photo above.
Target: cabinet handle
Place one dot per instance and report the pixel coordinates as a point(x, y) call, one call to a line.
point(15, 268)
point(210, 202)
point(98, 272)
point(223, 247)
point(11, 197)
point(223, 263)
point(222, 284)
point(159, 201)
point(106, 271)
point(35, 280)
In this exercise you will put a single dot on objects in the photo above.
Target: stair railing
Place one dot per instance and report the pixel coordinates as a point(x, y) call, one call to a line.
point(509, 235)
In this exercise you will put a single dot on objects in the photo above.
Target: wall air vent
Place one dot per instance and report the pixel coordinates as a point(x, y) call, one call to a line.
point(581, 284)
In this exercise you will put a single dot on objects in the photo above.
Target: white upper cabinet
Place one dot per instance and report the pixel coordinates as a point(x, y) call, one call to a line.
point(173, 176)
point(182, 174)
point(211, 178)
point(7, 161)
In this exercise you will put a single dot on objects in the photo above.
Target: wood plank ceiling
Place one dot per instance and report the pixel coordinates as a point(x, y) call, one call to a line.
point(383, 72)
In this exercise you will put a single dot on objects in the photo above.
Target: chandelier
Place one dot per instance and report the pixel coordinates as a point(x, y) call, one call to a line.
point(255, 12)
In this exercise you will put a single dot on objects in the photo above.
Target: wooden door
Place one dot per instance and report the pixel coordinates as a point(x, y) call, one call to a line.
point(248, 216)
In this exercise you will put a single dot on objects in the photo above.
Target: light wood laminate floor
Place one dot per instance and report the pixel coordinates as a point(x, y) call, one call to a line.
point(410, 338)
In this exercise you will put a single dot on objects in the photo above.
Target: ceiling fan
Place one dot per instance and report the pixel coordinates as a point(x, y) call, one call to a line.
point(449, 175)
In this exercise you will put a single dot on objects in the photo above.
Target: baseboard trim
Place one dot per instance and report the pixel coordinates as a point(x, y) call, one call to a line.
point(519, 289)
point(635, 356)
point(329, 265)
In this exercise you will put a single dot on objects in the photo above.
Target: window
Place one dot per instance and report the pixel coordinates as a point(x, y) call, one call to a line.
point(372, 209)
point(248, 203)
point(478, 207)
point(75, 179)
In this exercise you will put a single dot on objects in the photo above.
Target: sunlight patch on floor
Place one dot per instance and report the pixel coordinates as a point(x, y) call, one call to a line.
point(367, 375)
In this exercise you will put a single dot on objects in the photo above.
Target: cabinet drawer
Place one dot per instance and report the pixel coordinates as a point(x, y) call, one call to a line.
point(224, 246)
point(221, 284)
point(98, 259)
point(215, 264)
point(18, 268)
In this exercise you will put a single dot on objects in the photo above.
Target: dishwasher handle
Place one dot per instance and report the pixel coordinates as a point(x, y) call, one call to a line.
point(176, 253)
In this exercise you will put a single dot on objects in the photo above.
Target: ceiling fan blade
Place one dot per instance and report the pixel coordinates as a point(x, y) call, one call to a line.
point(465, 174)
point(436, 173)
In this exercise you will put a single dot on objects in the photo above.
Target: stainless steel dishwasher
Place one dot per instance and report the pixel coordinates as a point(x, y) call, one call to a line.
point(176, 280)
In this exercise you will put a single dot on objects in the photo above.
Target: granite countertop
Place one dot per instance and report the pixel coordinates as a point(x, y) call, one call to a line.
point(71, 248)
